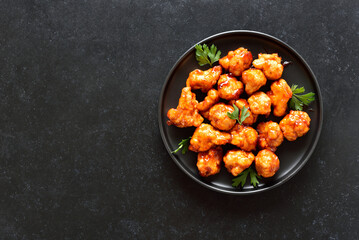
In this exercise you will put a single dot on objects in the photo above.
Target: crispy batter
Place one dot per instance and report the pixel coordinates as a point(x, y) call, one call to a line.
point(295, 124)
point(270, 64)
point(240, 103)
point(205, 114)
point(267, 163)
point(280, 94)
point(209, 162)
point(237, 61)
point(218, 116)
point(236, 161)
point(244, 137)
point(254, 79)
point(186, 114)
point(211, 99)
point(229, 87)
point(270, 135)
point(206, 137)
point(204, 80)
point(259, 103)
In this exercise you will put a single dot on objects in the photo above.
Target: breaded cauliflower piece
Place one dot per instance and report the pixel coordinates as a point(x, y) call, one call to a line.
point(295, 124)
point(211, 99)
point(237, 61)
point(270, 64)
point(218, 116)
point(209, 162)
point(236, 161)
point(205, 137)
point(254, 79)
point(270, 135)
point(205, 114)
point(267, 163)
point(260, 103)
point(204, 80)
point(244, 137)
point(229, 87)
point(186, 114)
point(280, 94)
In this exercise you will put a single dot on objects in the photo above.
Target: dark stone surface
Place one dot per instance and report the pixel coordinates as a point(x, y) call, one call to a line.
point(81, 153)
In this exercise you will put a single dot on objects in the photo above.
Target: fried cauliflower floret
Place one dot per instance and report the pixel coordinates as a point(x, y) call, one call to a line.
point(218, 116)
point(270, 135)
point(203, 80)
point(229, 87)
point(206, 137)
point(240, 103)
point(267, 163)
point(211, 99)
point(244, 137)
point(254, 79)
point(270, 64)
point(260, 103)
point(205, 114)
point(186, 114)
point(295, 124)
point(237, 61)
point(209, 162)
point(280, 94)
point(236, 161)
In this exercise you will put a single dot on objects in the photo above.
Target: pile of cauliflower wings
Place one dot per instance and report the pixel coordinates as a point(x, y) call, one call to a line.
point(238, 81)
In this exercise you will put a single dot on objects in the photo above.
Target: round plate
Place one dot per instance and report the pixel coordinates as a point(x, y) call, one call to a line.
point(292, 155)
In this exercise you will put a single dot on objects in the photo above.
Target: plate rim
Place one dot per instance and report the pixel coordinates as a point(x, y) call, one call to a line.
point(255, 190)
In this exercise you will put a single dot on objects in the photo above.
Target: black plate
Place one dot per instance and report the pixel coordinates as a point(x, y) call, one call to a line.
point(292, 155)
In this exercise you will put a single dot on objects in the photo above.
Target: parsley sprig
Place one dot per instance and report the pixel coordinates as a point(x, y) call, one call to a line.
point(206, 55)
point(297, 101)
point(242, 178)
point(235, 114)
point(183, 145)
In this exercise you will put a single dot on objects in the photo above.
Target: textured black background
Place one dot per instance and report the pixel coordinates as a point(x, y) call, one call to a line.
point(81, 153)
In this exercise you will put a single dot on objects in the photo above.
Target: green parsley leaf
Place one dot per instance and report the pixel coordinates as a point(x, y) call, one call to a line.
point(241, 179)
point(235, 114)
point(254, 177)
point(205, 55)
point(201, 55)
point(297, 90)
point(244, 114)
point(298, 101)
point(183, 145)
point(295, 103)
point(306, 98)
point(214, 55)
